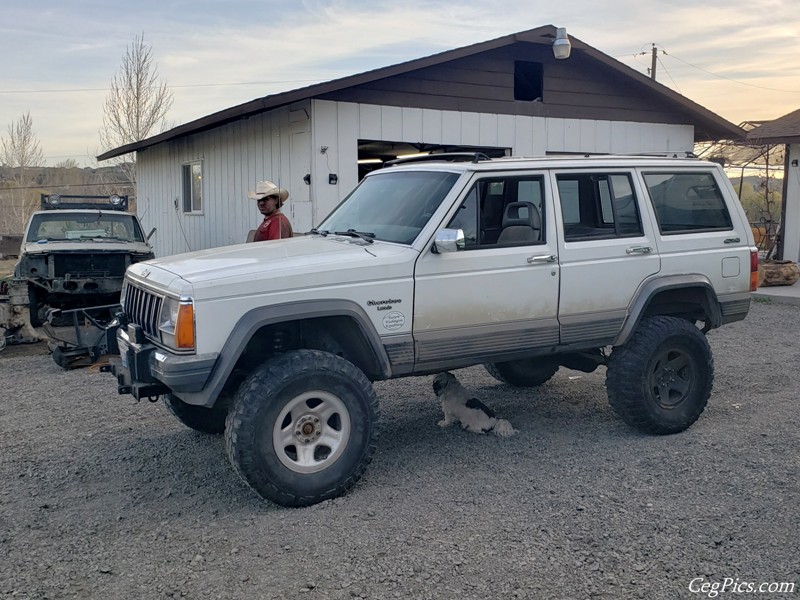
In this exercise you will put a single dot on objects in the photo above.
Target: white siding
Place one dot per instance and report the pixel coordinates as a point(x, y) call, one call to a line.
point(320, 138)
point(234, 157)
point(791, 226)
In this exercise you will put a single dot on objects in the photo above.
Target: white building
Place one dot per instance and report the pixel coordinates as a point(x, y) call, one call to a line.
point(507, 96)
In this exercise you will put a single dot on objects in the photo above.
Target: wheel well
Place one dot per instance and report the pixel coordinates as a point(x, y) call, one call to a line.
point(339, 335)
point(692, 303)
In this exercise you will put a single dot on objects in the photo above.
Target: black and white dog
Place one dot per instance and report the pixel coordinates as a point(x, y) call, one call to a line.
point(459, 407)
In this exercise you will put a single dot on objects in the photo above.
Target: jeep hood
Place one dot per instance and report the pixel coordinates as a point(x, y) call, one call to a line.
point(307, 261)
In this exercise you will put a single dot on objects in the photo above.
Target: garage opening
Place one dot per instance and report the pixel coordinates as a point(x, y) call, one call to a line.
point(372, 154)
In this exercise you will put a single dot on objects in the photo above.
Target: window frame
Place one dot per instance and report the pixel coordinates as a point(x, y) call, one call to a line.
point(600, 180)
point(187, 169)
point(505, 181)
point(658, 217)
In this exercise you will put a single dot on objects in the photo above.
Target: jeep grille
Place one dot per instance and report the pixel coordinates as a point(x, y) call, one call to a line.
point(89, 265)
point(143, 308)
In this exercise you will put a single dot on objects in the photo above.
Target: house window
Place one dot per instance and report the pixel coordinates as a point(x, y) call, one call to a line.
point(193, 187)
point(598, 205)
point(528, 80)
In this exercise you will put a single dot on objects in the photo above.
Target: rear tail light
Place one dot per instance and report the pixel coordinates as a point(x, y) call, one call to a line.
point(753, 270)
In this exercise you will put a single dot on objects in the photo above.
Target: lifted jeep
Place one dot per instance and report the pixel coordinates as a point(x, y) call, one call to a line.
point(524, 265)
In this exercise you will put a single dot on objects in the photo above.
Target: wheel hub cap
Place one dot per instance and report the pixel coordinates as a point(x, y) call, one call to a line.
point(311, 432)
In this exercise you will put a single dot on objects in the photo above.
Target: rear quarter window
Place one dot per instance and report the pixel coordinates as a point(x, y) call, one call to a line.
point(687, 202)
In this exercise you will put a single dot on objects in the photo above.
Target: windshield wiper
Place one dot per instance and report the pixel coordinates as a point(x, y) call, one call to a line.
point(366, 236)
point(322, 232)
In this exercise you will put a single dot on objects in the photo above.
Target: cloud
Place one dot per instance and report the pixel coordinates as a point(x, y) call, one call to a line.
point(79, 45)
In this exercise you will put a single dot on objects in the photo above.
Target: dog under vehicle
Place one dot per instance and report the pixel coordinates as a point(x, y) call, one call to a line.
point(523, 265)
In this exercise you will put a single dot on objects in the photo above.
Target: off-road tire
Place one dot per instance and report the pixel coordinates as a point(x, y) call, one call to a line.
point(659, 382)
point(528, 372)
point(206, 420)
point(267, 425)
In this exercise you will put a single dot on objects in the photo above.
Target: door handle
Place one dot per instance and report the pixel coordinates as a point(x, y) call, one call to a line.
point(735, 240)
point(639, 250)
point(546, 258)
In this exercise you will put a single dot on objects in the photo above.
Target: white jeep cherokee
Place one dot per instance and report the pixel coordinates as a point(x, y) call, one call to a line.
point(523, 265)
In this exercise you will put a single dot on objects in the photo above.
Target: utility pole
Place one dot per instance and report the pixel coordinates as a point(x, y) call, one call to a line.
point(653, 63)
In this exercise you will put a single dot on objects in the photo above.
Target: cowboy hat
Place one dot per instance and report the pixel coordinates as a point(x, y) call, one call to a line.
point(267, 188)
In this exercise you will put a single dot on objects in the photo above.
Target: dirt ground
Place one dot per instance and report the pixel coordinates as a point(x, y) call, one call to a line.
point(104, 498)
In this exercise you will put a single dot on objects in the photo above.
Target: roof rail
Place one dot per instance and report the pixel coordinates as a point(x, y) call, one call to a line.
point(446, 156)
point(66, 201)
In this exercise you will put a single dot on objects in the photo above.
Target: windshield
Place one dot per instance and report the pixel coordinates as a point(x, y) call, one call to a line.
point(82, 226)
point(392, 206)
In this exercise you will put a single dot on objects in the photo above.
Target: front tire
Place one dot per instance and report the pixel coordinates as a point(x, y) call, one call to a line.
point(660, 381)
point(206, 420)
point(302, 428)
point(528, 372)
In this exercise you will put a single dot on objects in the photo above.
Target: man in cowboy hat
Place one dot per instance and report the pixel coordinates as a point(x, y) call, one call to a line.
point(269, 198)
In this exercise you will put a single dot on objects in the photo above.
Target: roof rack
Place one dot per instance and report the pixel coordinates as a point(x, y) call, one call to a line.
point(67, 201)
point(446, 156)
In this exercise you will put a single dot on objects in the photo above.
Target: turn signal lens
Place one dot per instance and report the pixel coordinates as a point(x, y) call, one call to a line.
point(753, 270)
point(184, 327)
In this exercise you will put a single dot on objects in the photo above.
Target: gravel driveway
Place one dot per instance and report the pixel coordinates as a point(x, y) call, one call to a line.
point(109, 499)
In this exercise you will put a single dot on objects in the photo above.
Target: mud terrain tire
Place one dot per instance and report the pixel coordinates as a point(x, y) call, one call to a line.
point(528, 372)
point(659, 382)
point(302, 427)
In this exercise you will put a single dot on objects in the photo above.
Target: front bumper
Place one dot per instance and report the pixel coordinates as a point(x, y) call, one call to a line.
point(145, 370)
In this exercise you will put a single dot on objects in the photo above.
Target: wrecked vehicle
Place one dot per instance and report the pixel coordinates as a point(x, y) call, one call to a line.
point(75, 252)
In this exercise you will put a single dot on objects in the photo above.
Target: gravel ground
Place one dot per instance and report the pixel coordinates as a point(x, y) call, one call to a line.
point(106, 498)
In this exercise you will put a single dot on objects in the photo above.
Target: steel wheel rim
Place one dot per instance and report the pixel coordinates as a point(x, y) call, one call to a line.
point(672, 378)
point(311, 432)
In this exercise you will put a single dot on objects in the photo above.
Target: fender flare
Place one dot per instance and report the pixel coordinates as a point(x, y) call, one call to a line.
point(649, 289)
point(257, 318)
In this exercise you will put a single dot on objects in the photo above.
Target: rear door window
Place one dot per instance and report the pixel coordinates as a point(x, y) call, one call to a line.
point(598, 206)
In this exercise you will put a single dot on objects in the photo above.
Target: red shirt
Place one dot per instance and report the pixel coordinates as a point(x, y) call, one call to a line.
point(275, 227)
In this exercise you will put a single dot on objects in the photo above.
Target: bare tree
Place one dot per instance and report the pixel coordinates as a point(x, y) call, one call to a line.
point(22, 154)
point(137, 104)
point(67, 163)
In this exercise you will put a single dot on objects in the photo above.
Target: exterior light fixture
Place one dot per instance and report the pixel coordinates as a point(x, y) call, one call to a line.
point(54, 199)
point(115, 200)
point(561, 45)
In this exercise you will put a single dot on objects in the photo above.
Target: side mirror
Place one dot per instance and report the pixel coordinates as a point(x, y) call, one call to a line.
point(448, 240)
point(149, 235)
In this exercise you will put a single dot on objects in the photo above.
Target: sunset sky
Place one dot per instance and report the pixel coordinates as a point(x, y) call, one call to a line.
point(739, 59)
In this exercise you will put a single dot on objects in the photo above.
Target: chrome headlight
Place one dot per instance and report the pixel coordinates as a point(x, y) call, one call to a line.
point(176, 323)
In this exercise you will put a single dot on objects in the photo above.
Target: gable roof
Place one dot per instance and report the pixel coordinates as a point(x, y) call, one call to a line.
point(712, 125)
point(783, 130)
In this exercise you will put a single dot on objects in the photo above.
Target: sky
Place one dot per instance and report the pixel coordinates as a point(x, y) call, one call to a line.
point(738, 59)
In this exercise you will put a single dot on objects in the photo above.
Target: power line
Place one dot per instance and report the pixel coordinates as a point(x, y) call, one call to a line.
point(188, 85)
point(761, 87)
point(661, 62)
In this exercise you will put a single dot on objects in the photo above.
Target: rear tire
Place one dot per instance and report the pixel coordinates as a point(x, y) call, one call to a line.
point(528, 372)
point(302, 427)
point(660, 381)
point(206, 420)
